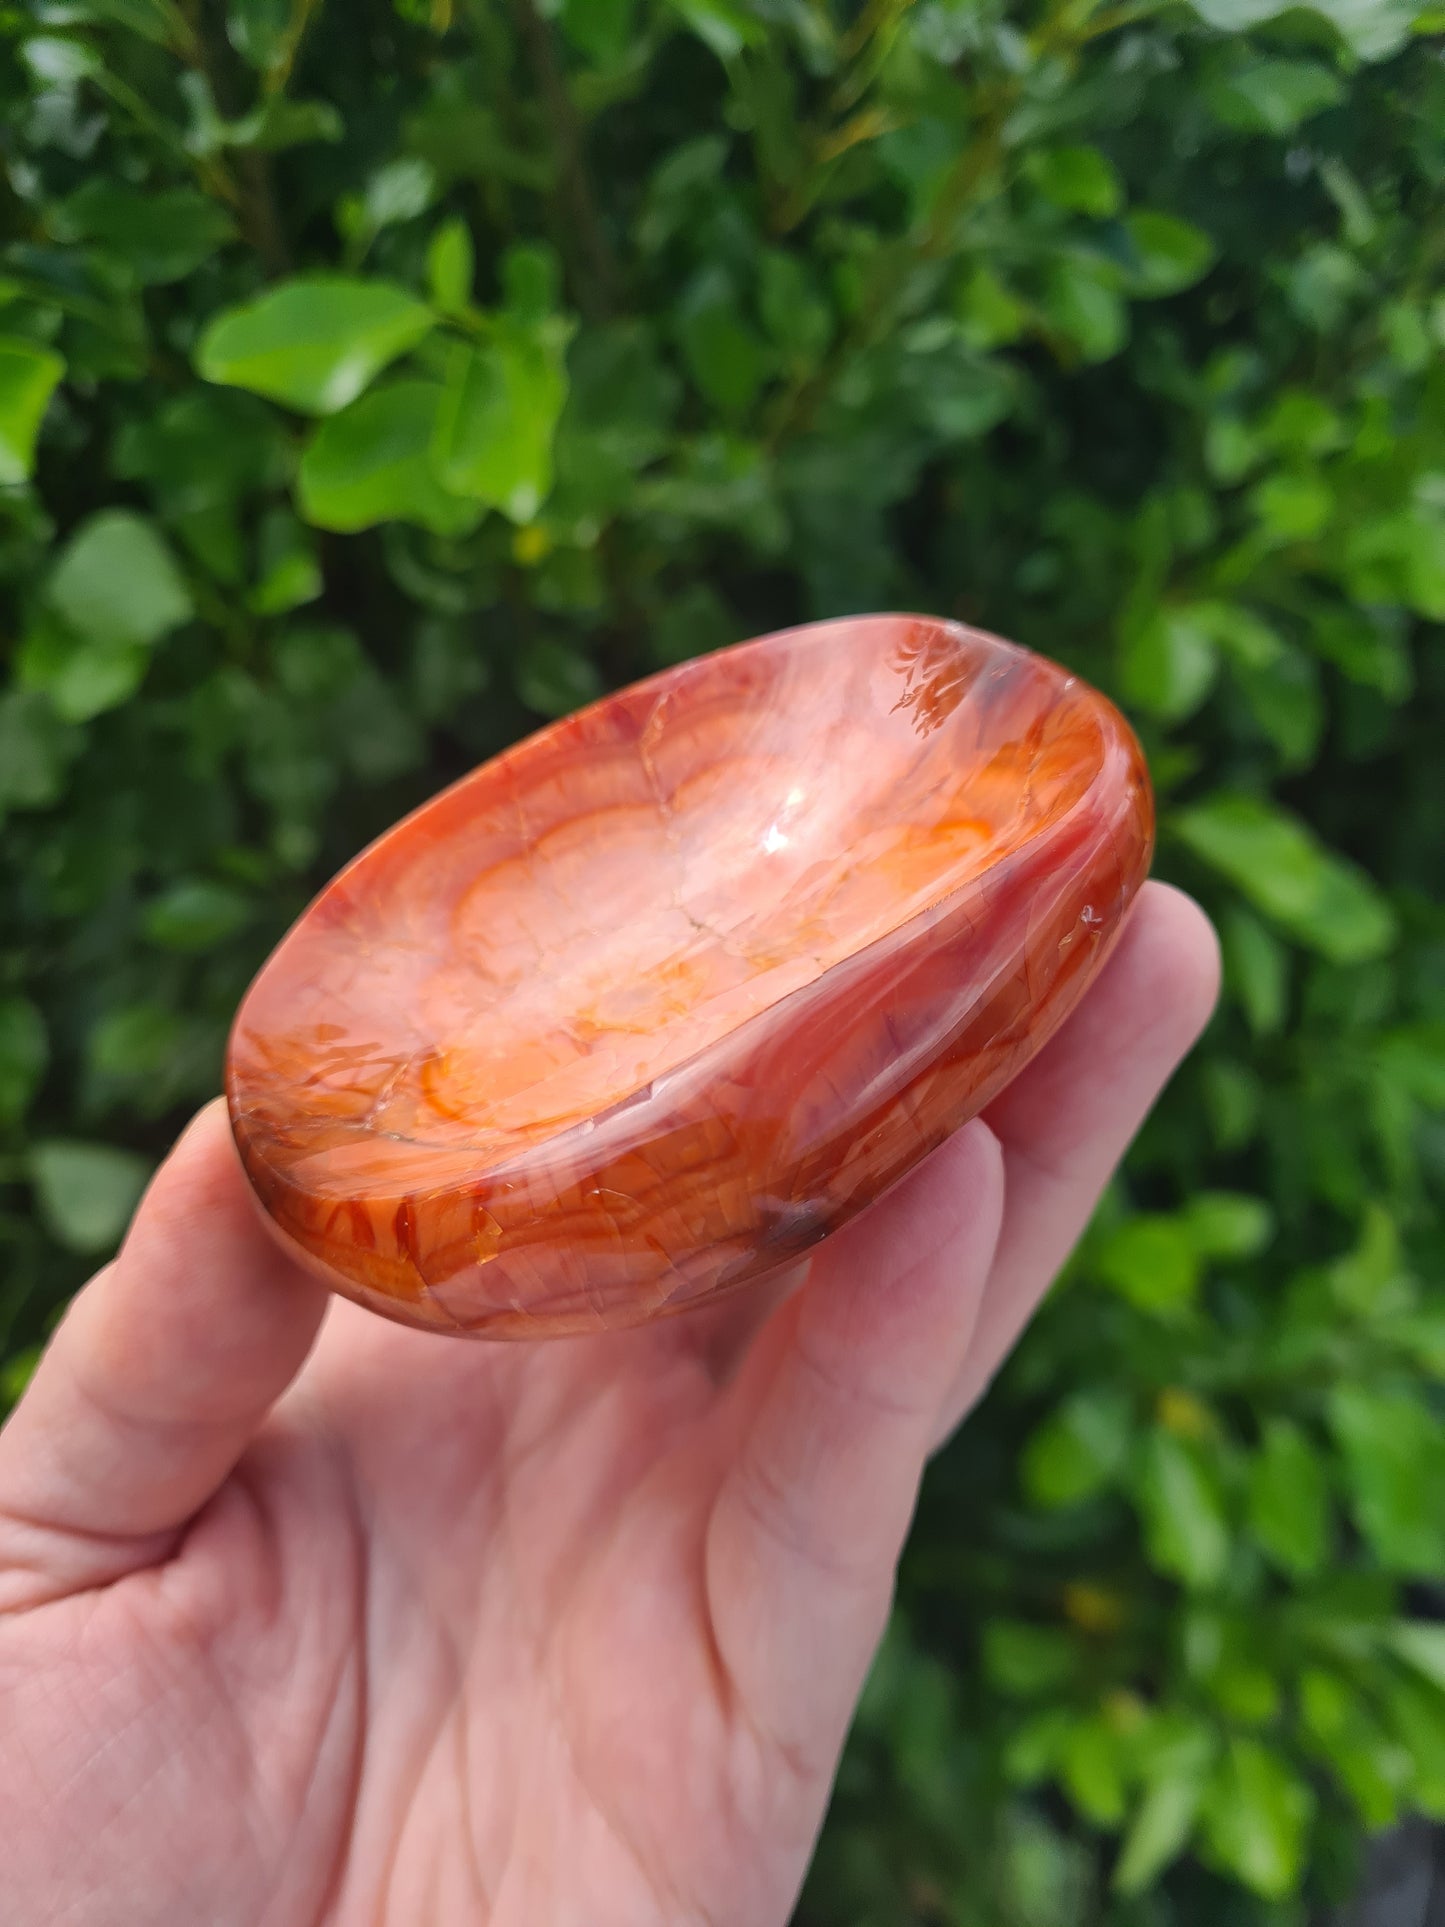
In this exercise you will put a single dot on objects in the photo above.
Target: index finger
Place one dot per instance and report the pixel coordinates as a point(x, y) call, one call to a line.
point(1067, 1120)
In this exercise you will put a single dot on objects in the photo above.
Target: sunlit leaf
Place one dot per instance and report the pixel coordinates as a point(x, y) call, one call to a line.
point(1182, 1509)
point(1312, 894)
point(1289, 1507)
point(86, 1192)
point(1256, 1816)
point(373, 463)
point(314, 343)
point(1080, 1448)
point(497, 420)
point(28, 378)
point(1394, 1455)
point(1165, 1816)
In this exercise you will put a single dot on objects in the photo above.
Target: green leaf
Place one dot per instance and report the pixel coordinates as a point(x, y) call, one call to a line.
point(553, 679)
point(1024, 1661)
point(1373, 29)
point(135, 1043)
point(115, 583)
point(1300, 422)
point(36, 749)
point(498, 417)
point(1244, 1689)
point(24, 1053)
point(154, 20)
point(86, 1192)
point(1273, 96)
point(451, 267)
point(1415, 1714)
point(1182, 1510)
point(382, 739)
point(1234, 1099)
point(1244, 637)
point(28, 378)
point(1315, 896)
point(1288, 703)
point(280, 122)
point(399, 190)
point(1039, 1875)
point(290, 573)
point(1421, 1644)
point(1151, 1261)
point(989, 313)
point(60, 63)
point(1079, 1450)
point(81, 677)
point(1256, 1817)
point(1425, 566)
point(1289, 1503)
point(1228, 1224)
point(600, 29)
point(16, 1373)
point(726, 26)
point(1367, 648)
point(1077, 178)
point(1407, 337)
point(1394, 1456)
point(532, 290)
point(1367, 1277)
point(276, 122)
point(1035, 1745)
point(1092, 1771)
point(1323, 284)
point(1169, 664)
point(1397, 557)
point(373, 463)
point(313, 343)
point(1291, 507)
point(1256, 970)
point(1371, 1766)
point(161, 235)
point(448, 667)
point(1169, 254)
point(791, 307)
point(1413, 1055)
point(258, 30)
point(959, 393)
point(725, 355)
point(204, 449)
point(196, 915)
point(618, 418)
point(1083, 302)
point(1164, 1820)
point(1231, 447)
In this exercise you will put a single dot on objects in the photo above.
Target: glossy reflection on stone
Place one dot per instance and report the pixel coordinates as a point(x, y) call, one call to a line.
point(641, 1009)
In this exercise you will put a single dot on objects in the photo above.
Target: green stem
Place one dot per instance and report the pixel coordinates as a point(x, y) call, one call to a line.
point(279, 74)
point(594, 274)
point(249, 190)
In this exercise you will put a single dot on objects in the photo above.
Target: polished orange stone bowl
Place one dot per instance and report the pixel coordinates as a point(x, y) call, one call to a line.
point(647, 1005)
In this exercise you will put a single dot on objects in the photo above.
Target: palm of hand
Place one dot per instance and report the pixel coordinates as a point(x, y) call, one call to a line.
point(452, 1635)
point(548, 1635)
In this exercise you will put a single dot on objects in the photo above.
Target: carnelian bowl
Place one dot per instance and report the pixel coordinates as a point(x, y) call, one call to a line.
point(647, 1005)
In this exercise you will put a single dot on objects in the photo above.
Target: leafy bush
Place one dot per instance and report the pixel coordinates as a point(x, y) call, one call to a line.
point(394, 376)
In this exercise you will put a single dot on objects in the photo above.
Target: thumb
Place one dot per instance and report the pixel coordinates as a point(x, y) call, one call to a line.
point(156, 1380)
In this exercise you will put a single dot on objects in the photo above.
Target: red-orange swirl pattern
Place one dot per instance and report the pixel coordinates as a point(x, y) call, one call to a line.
point(647, 1005)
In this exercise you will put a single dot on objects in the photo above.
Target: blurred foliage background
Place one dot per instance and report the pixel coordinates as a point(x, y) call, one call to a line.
point(379, 379)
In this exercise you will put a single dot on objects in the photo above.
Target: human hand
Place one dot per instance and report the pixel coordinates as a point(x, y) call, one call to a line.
point(309, 1621)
